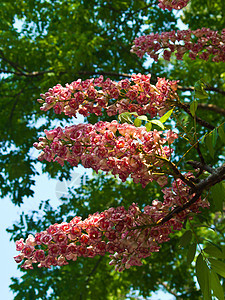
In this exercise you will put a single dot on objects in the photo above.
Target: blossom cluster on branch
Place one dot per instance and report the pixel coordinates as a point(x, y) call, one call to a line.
point(122, 149)
point(93, 95)
point(128, 235)
point(202, 43)
point(172, 4)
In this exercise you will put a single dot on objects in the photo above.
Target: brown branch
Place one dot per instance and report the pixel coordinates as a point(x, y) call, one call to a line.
point(202, 122)
point(27, 74)
point(39, 73)
point(200, 165)
point(11, 63)
point(167, 288)
point(191, 89)
point(94, 269)
point(212, 107)
point(177, 173)
point(217, 176)
point(104, 73)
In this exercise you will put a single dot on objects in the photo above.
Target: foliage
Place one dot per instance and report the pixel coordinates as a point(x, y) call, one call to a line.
point(62, 40)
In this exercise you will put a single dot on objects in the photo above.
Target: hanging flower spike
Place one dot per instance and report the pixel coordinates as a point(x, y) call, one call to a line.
point(122, 149)
point(202, 43)
point(94, 95)
point(172, 4)
point(128, 235)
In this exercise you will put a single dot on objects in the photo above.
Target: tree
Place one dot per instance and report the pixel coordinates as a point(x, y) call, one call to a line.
point(200, 122)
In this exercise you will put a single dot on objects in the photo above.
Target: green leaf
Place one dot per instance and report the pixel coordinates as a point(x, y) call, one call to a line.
point(137, 122)
point(218, 196)
point(218, 266)
point(216, 286)
point(134, 113)
point(125, 118)
point(193, 108)
point(203, 277)
point(165, 117)
point(185, 239)
point(221, 133)
point(203, 138)
point(148, 126)
point(158, 123)
point(214, 251)
point(200, 92)
point(209, 144)
point(139, 119)
point(191, 253)
point(143, 118)
point(214, 137)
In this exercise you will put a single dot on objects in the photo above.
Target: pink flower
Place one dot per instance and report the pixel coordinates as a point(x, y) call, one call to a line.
point(20, 244)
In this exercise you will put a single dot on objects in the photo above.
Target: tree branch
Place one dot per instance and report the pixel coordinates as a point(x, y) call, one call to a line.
point(191, 89)
point(212, 107)
point(94, 269)
point(186, 108)
point(167, 288)
point(217, 175)
point(200, 165)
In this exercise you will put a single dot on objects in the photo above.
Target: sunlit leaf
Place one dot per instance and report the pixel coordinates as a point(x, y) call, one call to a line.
point(137, 122)
point(125, 118)
point(148, 126)
point(165, 117)
point(158, 123)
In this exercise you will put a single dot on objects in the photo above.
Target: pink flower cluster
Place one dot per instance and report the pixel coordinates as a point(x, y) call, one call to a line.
point(94, 95)
point(122, 149)
point(172, 4)
point(128, 235)
point(201, 43)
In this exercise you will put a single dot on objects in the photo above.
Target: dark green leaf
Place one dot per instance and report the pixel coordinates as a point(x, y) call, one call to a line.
point(214, 251)
point(221, 133)
point(193, 108)
point(218, 266)
point(203, 276)
point(200, 92)
point(209, 144)
point(216, 286)
point(185, 239)
point(218, 196)
point(191, 253)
